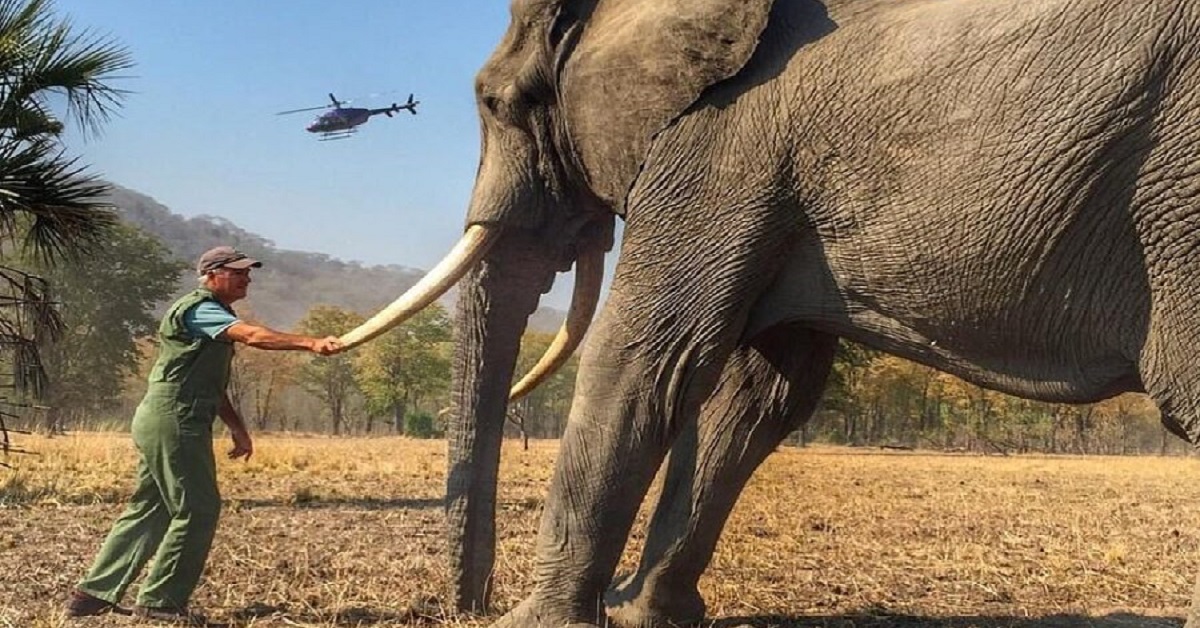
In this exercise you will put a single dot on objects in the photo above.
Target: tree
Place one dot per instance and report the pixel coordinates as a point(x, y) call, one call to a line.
point(330, 379)
point(48, 205)
point(405, 365)
point(257, 382)
point(421, 425)
point(845, 379)
point(105, 301)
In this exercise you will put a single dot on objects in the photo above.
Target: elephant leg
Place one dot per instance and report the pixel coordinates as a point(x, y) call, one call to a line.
point(1171, 378)
point(617, 435)
point(652, 358)
point(766, 390)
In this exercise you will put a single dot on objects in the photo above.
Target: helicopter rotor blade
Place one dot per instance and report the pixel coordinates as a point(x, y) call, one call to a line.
point(337, 104)
point(299, 110)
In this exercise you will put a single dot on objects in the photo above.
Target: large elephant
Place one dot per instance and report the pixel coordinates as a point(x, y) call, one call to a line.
point(1002, 189)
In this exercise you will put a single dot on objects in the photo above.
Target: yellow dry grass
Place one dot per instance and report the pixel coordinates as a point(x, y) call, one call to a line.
point(330, 532)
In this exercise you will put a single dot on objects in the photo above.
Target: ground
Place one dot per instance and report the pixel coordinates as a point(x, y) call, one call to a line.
point(328, 532)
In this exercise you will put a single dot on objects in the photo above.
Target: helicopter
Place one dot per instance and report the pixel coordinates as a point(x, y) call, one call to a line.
point(341, 122)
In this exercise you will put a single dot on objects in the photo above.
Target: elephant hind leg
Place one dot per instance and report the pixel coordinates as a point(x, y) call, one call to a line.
point(1172, 379)
point(766, 390)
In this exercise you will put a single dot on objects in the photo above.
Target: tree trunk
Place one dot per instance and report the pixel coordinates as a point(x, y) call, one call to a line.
point(262, 401)
point(336, 416)
point(52, 423)
point(398, 412)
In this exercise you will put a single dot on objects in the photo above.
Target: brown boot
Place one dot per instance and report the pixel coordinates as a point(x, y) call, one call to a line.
point(82, 604)
point(177, 616)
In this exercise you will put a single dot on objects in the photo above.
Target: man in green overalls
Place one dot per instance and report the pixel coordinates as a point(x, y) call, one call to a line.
point(172, 515)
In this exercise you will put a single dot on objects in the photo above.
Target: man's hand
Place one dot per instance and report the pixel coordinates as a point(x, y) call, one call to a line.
point(243, 447)
point(327, 346)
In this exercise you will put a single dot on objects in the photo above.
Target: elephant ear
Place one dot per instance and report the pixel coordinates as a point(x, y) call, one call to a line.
point(637, 65)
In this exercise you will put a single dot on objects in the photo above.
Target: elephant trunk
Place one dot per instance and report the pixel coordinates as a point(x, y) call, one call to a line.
point(494, 303)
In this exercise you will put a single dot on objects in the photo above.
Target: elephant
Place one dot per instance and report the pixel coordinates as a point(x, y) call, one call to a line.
point(1002, 190)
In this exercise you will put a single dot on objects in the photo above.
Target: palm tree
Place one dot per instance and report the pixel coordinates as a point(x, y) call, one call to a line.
point(50, 208)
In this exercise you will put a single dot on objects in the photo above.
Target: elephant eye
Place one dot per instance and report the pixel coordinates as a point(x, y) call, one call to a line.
point(505, 103)
point(491, 104)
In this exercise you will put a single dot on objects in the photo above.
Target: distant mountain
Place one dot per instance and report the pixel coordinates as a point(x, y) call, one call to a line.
point(290, 282)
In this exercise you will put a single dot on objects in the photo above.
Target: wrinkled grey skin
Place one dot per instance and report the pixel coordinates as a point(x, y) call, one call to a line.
point(1002, 189)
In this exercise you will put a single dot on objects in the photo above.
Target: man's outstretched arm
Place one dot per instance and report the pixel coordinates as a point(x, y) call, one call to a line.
point(261, 337)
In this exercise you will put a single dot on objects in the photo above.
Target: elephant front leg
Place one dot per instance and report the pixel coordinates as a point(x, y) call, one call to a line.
point(625, 415)
point(698, 251)
point(648, 366)
point(765, 391)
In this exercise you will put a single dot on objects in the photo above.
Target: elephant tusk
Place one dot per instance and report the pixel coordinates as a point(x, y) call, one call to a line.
point(469, 250)
point(589, 274)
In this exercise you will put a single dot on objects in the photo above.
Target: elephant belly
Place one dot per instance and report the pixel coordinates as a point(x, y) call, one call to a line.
point(953, 319)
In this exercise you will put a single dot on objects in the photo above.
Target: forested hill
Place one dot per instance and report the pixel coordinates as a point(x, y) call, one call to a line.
point(290, 282)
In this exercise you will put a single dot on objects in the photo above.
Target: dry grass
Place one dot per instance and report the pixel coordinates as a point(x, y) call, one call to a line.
point(349, 532)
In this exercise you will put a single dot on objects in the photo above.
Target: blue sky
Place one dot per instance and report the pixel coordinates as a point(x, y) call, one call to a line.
point(199, 132)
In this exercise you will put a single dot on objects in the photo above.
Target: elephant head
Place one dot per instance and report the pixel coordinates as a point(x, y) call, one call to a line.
point(569, 103)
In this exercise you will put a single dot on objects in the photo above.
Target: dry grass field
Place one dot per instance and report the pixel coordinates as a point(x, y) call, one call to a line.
point(348, 532)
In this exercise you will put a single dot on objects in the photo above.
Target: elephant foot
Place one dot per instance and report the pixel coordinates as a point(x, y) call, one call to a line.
point(533, 613)
point(639, 604)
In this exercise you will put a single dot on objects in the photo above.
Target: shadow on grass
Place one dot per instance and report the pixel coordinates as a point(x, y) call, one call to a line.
point(15, 498)
point(315, 503)
point(350, 616)
point(1115, 620)
point(430, 612)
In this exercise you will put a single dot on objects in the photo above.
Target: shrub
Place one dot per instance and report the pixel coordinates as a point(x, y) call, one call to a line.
point(421, 425)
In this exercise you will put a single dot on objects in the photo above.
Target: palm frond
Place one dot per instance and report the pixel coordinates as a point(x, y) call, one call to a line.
point(58, 200)
point(18, 18)
point(79, 67)
point(40, 57)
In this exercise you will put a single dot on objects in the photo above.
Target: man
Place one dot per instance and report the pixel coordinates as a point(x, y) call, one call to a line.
point(173, 512)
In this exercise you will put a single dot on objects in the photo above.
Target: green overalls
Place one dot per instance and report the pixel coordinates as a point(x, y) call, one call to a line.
point(173, 512)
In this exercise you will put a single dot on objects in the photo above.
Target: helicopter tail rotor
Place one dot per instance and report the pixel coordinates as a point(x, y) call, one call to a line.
point(411, 105)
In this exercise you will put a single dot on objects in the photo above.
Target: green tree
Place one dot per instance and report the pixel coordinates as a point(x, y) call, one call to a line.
point(421, 425)
point(105, 301)
point(48, 206)
point(330, 379)
point(842, 408)
point(406, 365)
